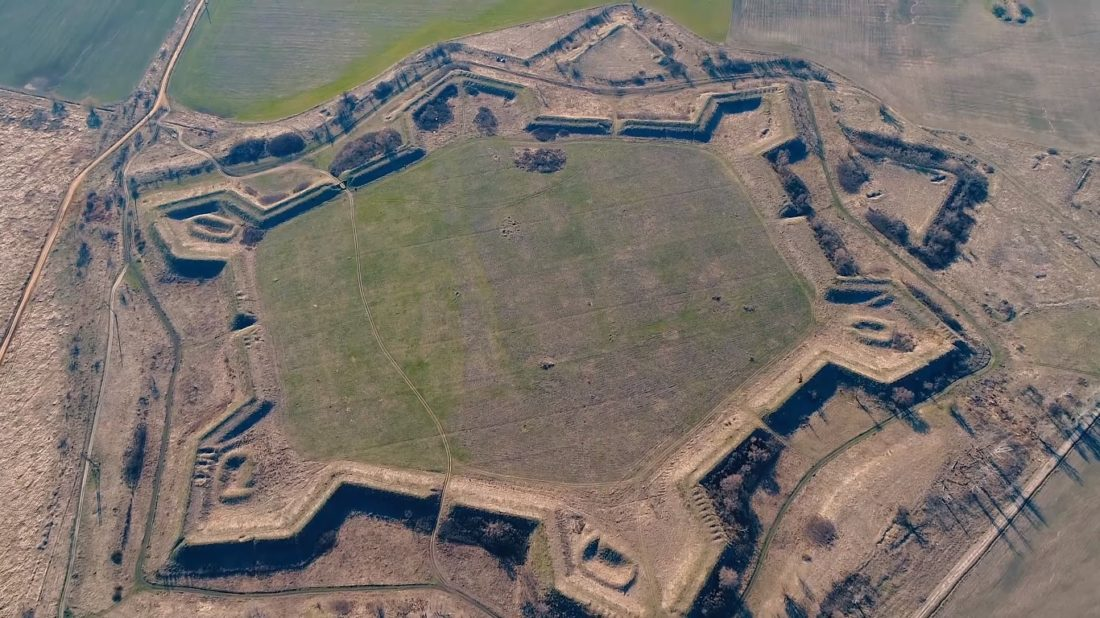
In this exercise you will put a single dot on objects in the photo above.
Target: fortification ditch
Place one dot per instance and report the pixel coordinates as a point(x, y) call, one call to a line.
point(253, 556)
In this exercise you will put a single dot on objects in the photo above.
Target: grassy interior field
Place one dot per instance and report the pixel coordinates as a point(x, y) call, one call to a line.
point(948, 63)
point(1046, 564)
point(80, 49)
point(1063, 336)
point(262, 61)
point(561, 325)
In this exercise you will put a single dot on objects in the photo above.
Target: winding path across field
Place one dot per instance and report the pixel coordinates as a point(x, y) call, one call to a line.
point(32, 283)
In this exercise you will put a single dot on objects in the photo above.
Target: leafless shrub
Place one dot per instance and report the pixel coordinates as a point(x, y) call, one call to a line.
point(821, 531)
point(902, 397)
point(902, 341)
point(485, 121)
point(541, 160)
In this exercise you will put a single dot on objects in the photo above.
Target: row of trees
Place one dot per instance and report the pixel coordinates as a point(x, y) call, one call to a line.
point(951, 227)
point(253, 149)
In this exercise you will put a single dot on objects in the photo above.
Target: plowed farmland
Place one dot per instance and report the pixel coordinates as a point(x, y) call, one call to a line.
point(562, 325)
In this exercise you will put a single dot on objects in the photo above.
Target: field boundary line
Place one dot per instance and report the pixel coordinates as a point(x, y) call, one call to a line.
point(968, 561)
point(59, 218)
point(433, 546)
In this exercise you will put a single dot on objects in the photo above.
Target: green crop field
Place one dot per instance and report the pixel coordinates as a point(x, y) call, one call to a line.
point(562, 325)
point(79, 48)
point(262, 61)
point(947, 63)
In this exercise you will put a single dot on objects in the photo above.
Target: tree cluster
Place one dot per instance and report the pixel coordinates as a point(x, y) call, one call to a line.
point(253, 149)
point(889, 226)
point(437, 112)
point(485, 121)
point(832, 244)
point(732, 485)
point(852, 596)
point(364, 148)
point(851, 175)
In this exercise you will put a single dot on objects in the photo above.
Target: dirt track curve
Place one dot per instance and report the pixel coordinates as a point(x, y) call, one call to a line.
point(161, 102)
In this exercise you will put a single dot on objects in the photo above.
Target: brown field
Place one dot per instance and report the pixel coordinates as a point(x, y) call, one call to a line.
point(946, 63)
point(1045, 565)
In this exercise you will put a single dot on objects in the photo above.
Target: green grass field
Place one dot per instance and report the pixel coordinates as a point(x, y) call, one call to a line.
point(630, 271)
point(79, 48)
point(262, 61)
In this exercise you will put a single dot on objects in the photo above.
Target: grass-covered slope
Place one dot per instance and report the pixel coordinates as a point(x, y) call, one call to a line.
point(561, 324)
point(81, 48)
point(265, 60)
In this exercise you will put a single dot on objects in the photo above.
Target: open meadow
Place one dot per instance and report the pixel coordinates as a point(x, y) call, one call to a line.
point(1063, 336)
point(561, 325)
point(262, 61)
point(81, 49)
point(947, 63)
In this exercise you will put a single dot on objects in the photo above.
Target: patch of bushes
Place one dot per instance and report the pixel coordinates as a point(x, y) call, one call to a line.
point(246, 151)
point(925, 299)
point(363, 149)
point(83, 257)
point(285, 145)
point(902, 341)
point(852, 596)
point(821, 531)
point(504, 536)
point(252, 236)
point(726, 67)
point(383, 91)
point(253, 149)
point(437, 112)
point(485, 121)
point(851, 175)
point(833, 245)
point(800, 202)
point(889, 226)
point(541, 160)
point(133, 459)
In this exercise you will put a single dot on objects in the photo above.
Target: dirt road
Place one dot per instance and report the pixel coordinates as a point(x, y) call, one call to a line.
point(962, 567)
point(160, 103)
